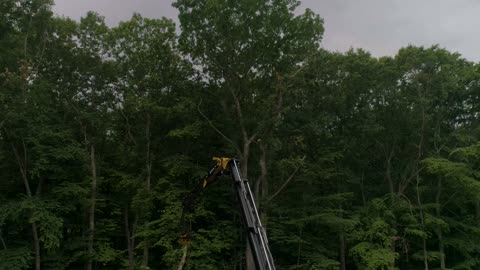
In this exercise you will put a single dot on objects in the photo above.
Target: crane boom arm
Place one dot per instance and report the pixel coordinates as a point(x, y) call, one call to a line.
point(257, 238)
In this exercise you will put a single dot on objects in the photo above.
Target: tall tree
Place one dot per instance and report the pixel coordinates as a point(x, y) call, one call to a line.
point(151, 79)
point(23, 25)
point(247, 51)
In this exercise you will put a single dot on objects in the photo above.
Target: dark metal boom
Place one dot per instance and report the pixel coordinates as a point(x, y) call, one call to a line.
point(257, 237)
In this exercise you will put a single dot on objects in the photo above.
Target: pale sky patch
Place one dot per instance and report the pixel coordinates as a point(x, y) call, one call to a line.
point(378, 26)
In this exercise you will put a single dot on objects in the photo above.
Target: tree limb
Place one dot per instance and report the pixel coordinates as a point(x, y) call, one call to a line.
point(238, 108)
point(216, 129)
point(2, 241)
point(285, 183)
point(22, 168)
point(184, 258)
point(129, 129)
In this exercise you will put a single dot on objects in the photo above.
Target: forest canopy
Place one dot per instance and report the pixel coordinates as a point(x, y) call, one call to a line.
point(356, 162)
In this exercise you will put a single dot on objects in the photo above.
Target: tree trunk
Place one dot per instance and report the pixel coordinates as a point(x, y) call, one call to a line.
point(439, 231)
point(130, 236)
point(343, 263)
point(22, 166)
point(3, 241)
point(388, 175)
point(422, 222)
point(362, 190)
point(477, 212)
point(36, 243)
point(183, 261)
point(145, 254)
point(250, 263)
point(91, 210)
point(299, 249)
point(391, 186)
point(245, 156)
point(441, 250)
point(263, 186)
point(148, 159)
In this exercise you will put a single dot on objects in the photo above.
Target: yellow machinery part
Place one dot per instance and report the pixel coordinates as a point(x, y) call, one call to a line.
point(222, 162)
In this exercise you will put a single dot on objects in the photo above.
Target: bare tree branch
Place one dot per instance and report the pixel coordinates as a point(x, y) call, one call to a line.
point(238, 109)
point(129, 129)
point(23, 171)
point(184, 258)
point(2, 241)
point(216, 129)
point(285, 183)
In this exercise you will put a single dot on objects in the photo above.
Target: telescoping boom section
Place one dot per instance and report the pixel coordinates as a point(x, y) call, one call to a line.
point(257, 238)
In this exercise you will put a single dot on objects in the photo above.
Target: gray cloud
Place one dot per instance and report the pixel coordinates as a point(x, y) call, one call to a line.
point(115, 10)
point(379, 26)
point(382, 27)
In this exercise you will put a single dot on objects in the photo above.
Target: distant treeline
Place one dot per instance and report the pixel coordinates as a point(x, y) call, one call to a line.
point(356, 162)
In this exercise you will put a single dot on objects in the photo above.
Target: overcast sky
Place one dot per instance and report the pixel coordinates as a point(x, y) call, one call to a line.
point(379, 26)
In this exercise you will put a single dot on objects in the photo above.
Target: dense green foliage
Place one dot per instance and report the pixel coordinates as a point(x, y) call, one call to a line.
point(357, 162)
